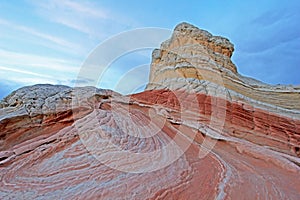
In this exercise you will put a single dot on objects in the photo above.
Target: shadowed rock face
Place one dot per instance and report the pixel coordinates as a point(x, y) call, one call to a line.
point(199, 131)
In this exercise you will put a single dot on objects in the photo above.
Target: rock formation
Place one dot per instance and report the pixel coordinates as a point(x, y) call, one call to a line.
point(193, 55)
point(199, 131)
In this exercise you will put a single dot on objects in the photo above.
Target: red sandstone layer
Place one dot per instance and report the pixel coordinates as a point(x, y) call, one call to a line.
point(237, 151)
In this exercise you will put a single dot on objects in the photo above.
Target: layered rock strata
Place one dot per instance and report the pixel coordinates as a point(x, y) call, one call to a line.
point(192, 55)
point(199, 131)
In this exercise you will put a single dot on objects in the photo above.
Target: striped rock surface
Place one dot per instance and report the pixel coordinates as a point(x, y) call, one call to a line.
point(199, 131)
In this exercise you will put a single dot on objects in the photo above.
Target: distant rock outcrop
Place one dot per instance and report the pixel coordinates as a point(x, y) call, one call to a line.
point(199, 131)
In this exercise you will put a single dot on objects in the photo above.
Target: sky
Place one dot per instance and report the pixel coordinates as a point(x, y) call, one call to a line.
point(48, 41)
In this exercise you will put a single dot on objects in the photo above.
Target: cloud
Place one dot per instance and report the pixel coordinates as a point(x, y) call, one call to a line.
point(268, 30)
point(22, 72)
point(269, 18)
point(28, 69)
point(84, 16)
point(85, 8)
point(35, 62)
point(274, 64)
point(72, 14)
point(17, 81)
point(267, 46)
point(33, 80)
point(50, 38)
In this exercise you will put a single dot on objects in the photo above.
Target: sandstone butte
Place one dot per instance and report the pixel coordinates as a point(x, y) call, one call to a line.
point(200, 130)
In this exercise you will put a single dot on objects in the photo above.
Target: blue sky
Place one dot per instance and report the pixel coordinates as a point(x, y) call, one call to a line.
point(47, 41)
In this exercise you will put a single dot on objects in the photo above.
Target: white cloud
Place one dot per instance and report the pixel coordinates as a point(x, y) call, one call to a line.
point(84, 7)
point(23, 72)
point(31, 80)
point(51, 38)
point(84, 16)
point(71, 13)
point(85, 22)
point(20, 78)
point(28, 69)
point(13, 59)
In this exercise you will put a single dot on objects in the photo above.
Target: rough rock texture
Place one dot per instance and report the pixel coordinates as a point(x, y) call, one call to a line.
point(192, 54)
point(199, 131)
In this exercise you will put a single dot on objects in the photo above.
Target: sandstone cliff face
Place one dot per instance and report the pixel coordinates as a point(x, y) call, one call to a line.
point(192, 54)
point(199, 131)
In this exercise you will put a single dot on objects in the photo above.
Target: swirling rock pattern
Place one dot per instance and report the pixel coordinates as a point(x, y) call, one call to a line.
point(188, 136)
